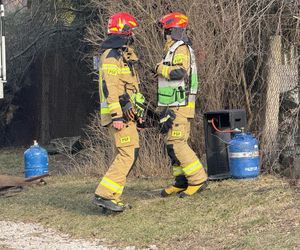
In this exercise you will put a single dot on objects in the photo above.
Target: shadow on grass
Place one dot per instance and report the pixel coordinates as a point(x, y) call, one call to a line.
point(77, 197)
point(72, 198)
point(140, 193)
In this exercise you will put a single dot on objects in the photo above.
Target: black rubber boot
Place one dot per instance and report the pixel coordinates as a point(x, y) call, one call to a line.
point(109, 204)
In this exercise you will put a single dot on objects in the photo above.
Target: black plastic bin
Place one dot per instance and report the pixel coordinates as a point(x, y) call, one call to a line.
point(216, 142)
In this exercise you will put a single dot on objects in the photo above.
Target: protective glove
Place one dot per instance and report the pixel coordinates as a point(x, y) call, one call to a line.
point(138, 101)
point(166, 119)
point(127, 107)
point(129, 112)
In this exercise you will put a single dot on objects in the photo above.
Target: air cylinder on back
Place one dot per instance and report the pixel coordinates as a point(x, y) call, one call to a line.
point(244, 160)
point(35, 161)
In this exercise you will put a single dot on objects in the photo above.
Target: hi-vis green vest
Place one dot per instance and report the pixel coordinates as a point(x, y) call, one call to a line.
point(178, 93)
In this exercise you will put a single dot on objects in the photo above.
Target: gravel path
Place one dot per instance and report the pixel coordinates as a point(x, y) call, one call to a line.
point(28, 236)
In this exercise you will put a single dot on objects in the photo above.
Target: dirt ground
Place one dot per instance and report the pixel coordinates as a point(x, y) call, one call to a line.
point(34, 236)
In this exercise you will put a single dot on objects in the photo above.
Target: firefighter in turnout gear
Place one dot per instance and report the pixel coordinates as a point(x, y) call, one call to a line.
point(121, 106)
point(177, 89)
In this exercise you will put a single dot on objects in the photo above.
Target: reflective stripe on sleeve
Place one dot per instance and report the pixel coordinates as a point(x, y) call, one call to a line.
point(192, 101)
point(165, 71)
point(113, 186)
point(191, 168)
point(191, 105)
point(104, 108)
point(105, 111)
point(114, 105)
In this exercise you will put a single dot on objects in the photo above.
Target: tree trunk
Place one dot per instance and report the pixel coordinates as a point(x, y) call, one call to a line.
point(269, 138)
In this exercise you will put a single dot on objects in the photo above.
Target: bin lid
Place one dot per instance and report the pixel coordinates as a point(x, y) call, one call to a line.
point(225, 111)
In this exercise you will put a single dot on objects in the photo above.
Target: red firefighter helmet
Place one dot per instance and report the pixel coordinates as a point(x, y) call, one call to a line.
point(174, 20)
point(122, 23)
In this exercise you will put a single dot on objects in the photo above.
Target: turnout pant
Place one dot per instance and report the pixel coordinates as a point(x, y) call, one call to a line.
point(127, 142)
point(187, 168)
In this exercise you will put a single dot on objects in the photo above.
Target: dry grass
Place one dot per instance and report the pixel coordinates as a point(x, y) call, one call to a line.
point(11, 161)
point(259, 214)
point(99, 151)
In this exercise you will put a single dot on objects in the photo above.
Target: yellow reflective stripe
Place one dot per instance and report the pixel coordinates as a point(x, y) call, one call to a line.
point(115, 187)
point(165, 71)
point(191, 168)
point(114, 105)
point(177, 171)
point(178, 58)
point(191, 105)
point(111, 69)
point(114, 69)
point(100, 86)
point(109, 66)
point(162, 70)
point(105, 110)
point(125, 70)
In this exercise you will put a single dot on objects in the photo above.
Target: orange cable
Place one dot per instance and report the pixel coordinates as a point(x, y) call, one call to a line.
point(221, 131)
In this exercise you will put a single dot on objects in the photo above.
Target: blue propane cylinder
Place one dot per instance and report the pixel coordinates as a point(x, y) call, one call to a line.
point(244, 156)
point(35, 161)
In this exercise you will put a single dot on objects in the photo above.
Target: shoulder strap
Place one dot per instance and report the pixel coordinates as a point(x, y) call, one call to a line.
point(193, 74)
point(175, 46)
point(168, 58)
